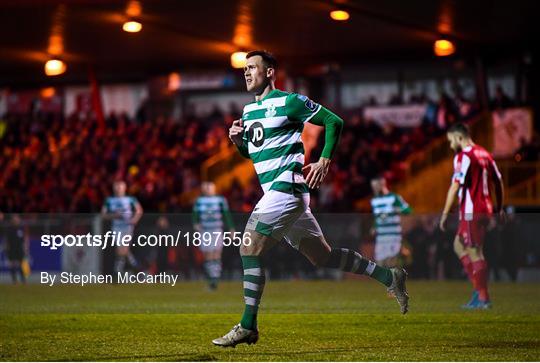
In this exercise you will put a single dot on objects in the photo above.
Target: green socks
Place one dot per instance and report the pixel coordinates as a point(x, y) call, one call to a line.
point(351, 261)
point(382, 274)
point(254, 280)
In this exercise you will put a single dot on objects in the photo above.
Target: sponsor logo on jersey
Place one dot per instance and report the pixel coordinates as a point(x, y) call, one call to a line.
point(270, 111)
point(311, 105)
point(256, 134)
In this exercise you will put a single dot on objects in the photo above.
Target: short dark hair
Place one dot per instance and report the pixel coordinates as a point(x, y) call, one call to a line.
point(268, 59)
point(460, 128)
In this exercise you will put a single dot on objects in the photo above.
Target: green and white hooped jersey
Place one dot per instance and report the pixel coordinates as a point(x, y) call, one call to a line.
point(210, 212)
point(125, 206)
point(387, 210)
point(272, 130)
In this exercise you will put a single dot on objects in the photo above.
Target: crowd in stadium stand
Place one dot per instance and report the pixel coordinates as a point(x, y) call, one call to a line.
point(55, 164)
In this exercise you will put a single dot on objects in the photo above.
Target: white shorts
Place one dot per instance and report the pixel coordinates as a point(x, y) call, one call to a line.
point(387, 248)
point(126, 230)
point(216, 243)
point(282, 215)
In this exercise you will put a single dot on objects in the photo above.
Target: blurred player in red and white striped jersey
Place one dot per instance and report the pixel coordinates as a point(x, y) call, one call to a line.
point(474, 172)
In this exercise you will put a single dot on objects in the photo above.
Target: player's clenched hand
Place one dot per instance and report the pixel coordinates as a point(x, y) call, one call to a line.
point(316, 172)
point(442, 222)
point(236, 131)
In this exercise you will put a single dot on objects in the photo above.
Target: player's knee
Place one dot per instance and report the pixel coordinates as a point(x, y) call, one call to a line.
point(475, 254)
point(458, 248)
point(255, 247)
point(247, 251)
point(122, 251)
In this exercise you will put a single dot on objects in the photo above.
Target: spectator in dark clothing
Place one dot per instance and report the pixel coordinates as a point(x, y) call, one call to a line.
point(529, 151)
point(420, 238)
point(501, 100)
point(16, 247)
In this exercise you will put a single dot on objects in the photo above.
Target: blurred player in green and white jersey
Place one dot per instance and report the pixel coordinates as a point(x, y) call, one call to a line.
point(269, 134)
point(124, 211)
point(211, 217)
point(387, 208)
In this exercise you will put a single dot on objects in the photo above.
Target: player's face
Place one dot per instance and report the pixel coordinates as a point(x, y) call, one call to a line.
point(455, 141)
point(208, 188)
point(119, 189)
point(256, 74)
point(376, 186)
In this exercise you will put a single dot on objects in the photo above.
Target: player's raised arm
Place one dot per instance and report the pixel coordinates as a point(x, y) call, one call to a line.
point(300, 108)
point(236, 134)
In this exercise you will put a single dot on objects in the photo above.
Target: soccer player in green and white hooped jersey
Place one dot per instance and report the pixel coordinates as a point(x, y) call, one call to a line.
point(269, 134)
point(124, 211)
point(387, 208)
point(211, 215)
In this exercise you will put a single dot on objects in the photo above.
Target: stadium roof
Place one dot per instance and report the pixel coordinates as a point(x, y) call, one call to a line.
point(199, 34)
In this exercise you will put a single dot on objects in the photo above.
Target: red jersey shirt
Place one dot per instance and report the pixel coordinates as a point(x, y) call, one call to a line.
point(474, 167)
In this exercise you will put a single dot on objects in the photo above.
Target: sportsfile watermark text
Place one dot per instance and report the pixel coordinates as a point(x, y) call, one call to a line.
point(122, 239)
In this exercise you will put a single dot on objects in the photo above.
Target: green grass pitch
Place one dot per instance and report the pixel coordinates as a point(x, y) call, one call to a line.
point(299, 320)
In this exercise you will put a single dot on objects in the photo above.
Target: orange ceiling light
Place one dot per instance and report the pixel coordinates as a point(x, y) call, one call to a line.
point(132, 26)
point(55, 67)
point(133, 13)
point(443, 47)
point(47, 92)
point(340, 15)
point(174, 81)
point(238, 59)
